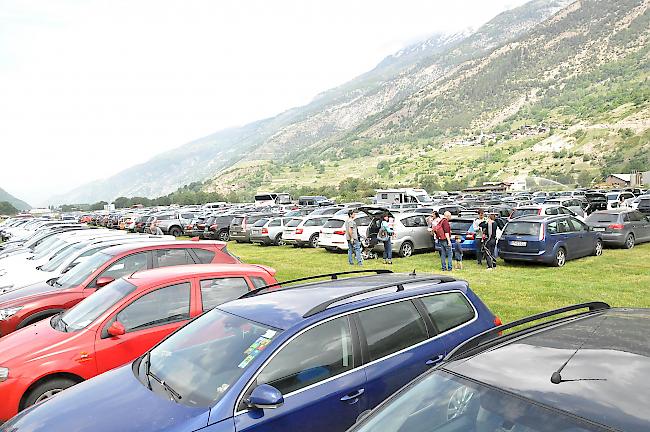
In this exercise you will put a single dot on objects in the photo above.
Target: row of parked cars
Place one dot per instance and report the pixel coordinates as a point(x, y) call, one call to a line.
point(156, 334)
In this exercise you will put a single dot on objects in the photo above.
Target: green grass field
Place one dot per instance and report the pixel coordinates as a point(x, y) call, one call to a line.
point(619, 277)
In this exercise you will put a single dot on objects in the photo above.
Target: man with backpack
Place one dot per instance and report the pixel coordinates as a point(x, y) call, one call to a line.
point(490, 228)
point(443, 234)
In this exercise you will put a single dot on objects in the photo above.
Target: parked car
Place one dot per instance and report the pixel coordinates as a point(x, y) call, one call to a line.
point(411, 233)
point(196, 226)
point(548, 239)
point(621, 227)
point(584, 372)
point(309, 357)
point(116, 325)
point(268, 231)
point(644, 205)
point(218, 227)
point(324, 211)
point(304, 231)
point(142, 223)
point(173, 223)
point(594, 201)
point(240, 226)
point(318, 201)
point(332, 235)
point(614, 198)
point(32, 303)
point(577, 204)
point(543, 210)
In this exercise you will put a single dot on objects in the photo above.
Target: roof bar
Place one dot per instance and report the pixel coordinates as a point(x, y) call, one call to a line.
point(492, 334)
point(399, 285)
point(332, 276)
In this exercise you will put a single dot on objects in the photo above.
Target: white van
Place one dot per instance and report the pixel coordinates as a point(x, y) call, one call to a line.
point(272, 198)
point(215, 205)
point(387, 197)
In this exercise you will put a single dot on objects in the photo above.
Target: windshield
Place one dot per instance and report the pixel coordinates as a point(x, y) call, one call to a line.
point(444, 402)
point(47, 246)
point(612, 196)
point(522, 228)
point(79, 273)
point(207, 356)
point(424, 198)
point(88, 310)
point(525, 212)
point(61, 256)
point(263, 198)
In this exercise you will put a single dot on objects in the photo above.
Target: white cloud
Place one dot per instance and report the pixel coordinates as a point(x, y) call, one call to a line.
point(89, 87)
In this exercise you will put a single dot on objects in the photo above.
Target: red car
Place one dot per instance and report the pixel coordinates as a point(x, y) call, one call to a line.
point(115, 326)
point(35, 302)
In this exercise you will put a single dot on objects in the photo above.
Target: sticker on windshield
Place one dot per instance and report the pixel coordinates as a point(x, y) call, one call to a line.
point(255, 348)
point(269, 334)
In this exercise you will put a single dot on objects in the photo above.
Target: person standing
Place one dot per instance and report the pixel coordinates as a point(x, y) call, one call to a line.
point(443, 233)
point(385, 235)
point(490, 227)
point(458, 253)
point(352, 236)
point(478, 236)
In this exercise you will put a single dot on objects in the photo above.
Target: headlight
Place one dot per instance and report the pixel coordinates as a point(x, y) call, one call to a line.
point(8, 312)
point(4, 374)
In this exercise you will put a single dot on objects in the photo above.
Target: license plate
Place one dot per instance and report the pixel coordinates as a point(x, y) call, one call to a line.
point(517, 243)
point(327, 235)
point(256, 231)
point(599, 229)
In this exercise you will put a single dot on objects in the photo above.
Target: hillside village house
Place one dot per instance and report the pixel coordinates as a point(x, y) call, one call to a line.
point(626, 180)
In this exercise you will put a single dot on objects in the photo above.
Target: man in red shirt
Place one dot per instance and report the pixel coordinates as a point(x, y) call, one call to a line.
point(444, 241)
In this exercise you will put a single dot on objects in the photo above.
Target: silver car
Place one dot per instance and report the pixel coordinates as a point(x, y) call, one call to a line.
point(268, 231)
point(411, 231)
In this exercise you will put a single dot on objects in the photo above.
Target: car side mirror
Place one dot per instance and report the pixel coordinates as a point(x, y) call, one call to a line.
point(103, 281)
point(116, 329)
point(265, 396)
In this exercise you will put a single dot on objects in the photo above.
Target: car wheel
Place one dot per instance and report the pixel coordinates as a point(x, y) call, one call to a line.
point(629, 241)
point(278, 240)
point(224, 236)
point(598, 249)
point(560, 258)
point(47, 389)
point(175, 231)
point(406, 250)
point(313, 241)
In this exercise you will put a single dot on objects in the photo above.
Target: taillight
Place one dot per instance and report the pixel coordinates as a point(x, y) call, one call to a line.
point(265, 230)
point(298, 230)
point(616, 226)
point(497, 321)
point(339, 232)
point(189, 227)
point(469, 236)
point(542, 232)
point(213, 227)
point(539, 211)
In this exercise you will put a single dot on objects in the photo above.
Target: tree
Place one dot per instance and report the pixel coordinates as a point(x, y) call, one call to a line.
point(98, 205)
point(122, 202)
point(6, 208)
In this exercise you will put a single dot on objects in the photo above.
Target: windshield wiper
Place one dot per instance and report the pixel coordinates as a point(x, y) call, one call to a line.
point(175, 395)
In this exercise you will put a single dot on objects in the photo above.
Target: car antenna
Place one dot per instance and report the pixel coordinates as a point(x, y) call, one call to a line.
point(556, 377)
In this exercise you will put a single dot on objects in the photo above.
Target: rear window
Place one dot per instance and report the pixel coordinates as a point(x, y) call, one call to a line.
point(460, 226)
point(600, 198)
point(205, 256)
point(253, 219)
point(525, 212)
point(522, 228)
point(164, 217)
point(612, 196)
point(263, 198)
point(294, 222)
point(602, 218)
point(333, 223)
point(260, 222)
point(315, 222)
point(237, 221)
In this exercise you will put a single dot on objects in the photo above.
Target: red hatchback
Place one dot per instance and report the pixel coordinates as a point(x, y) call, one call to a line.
point(119, 323)
point(35, 302)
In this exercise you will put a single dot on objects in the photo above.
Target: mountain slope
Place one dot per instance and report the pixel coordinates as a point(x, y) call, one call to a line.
point(17, 203)
point(331, 114)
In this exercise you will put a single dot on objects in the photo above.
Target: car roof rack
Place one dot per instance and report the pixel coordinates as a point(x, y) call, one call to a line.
point(399, 285)
point(492, 335)
point(332, 276)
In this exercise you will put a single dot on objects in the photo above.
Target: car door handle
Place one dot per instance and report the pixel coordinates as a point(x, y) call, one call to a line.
point(353, 397)
point(435, 360)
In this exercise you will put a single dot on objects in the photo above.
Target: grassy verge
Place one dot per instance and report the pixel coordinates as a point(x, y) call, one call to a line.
point(619, 277)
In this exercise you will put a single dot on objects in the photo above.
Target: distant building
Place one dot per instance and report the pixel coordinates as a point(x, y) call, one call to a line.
point(620, 180)
point(490, 187)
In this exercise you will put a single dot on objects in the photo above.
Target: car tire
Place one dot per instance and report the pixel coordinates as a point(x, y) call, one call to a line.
point(560, 257)
point(629, 241)
point(224, 236)
point(313, 241)
point(598, 249)
point(406, 249)
point(278, 240)
point(175, 231)
point(47, 389)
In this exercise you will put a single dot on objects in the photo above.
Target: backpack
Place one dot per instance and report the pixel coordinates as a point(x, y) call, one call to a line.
point(438, 231)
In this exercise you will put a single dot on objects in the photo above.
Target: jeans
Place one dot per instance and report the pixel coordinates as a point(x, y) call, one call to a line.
point(354, 247)
point(445, 254)
point(479, 252)
point(388, 249)
point(489, 253)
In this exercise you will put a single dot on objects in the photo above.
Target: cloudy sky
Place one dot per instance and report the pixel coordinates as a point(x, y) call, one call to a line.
point(90, 87)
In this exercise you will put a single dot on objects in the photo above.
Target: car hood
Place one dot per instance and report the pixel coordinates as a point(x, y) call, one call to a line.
point(33, 343)
point(35, 289)
point(114, 401)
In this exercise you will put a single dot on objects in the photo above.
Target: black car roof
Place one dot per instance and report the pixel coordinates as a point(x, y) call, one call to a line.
point(606, 381)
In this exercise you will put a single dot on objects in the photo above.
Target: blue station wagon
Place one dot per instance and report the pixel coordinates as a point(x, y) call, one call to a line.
point(310, 357)
point(548, 239)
